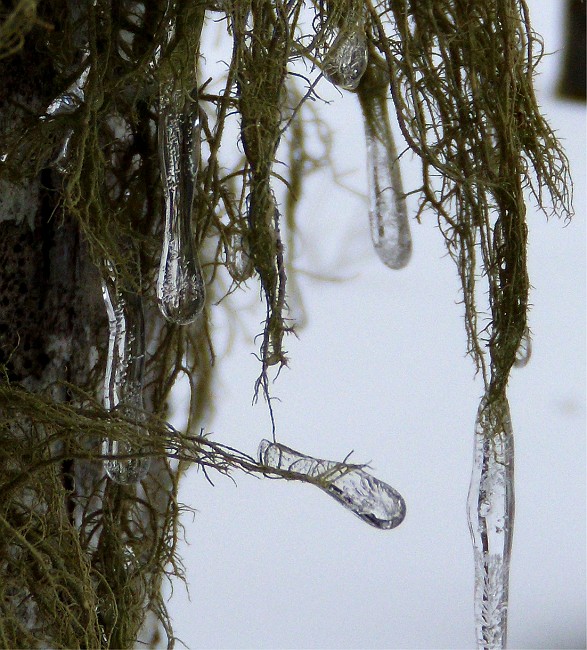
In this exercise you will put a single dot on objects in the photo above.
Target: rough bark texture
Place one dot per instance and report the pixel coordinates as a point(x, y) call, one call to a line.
point(52, 322)
point(572, 83)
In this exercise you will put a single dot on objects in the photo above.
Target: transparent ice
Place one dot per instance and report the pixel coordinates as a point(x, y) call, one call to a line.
point(368, 498)
point(524, 351)
point(346, 59)
point(180, 288)
point(238, 259)
point(123, 382)
point(491, 520)
point(388, 215)
point(66, 104)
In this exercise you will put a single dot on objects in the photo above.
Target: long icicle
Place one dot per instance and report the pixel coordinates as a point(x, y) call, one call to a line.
point(180, 288)
point(491, 520)
point(388, 215)
point(370, 499)
point(123, 382)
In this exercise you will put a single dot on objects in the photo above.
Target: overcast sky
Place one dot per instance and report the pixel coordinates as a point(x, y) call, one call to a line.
point(380, 369)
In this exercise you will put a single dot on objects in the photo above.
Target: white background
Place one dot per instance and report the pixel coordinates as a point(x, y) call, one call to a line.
point(380, 368)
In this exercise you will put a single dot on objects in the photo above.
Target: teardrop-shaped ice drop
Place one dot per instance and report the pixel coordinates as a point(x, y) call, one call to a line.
point(180, 288)
point(346, 60)
point(490, 509)
point(238, 259)
point(123, 382)
point(368, 498)
point(388, 214)
point(524, 351)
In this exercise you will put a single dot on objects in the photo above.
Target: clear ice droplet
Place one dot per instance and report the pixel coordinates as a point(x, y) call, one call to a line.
point(388, 214)
point(524, 351)
point(346, 60)
point(490, 509)
point(123, 382)
point(181, 291)
point(72, 98)
point(238, 259)
point(367, 497)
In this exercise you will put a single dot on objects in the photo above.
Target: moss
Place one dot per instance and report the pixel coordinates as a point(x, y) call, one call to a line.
point(461, 79)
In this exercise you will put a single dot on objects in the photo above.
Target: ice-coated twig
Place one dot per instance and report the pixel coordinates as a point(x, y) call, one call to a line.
point(491, 520)
point(180, 288)
point(367, 497)
point(388, 214)
point(123, 382)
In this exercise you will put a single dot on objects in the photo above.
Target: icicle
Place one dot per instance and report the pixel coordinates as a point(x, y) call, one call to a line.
point(180, 287)
point(66, 104)
point(365, 496)
point(123, 383)
point(524, 351)
point(238, 259)
point(345, 61)
point(491, 520)
point(388, 216)
point(70, 100)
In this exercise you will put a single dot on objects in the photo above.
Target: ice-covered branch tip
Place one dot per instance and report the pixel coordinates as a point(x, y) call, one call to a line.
point(367, 497)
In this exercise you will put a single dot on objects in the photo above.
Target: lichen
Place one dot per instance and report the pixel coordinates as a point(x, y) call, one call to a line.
point(86, 565)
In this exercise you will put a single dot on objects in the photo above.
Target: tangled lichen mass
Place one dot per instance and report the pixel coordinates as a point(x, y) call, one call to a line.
point(107, 103)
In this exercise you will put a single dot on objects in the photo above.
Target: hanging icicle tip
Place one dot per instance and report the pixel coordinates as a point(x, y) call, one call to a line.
point(123, 381)
point(181, 289)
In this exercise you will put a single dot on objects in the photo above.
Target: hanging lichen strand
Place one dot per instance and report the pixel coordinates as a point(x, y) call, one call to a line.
point(261, 50)
point(461, 78)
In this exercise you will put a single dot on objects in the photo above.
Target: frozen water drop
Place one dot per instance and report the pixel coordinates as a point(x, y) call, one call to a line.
point(181, 291)
point(388, 214)
point(66, 104)
point(62, 160)
point(124, 471)
point(524, 351)
point(346, 60)
point(123, 381)
point(484, 508)
point(490, 509)
point(238, 259)
point(365, 496)
point(70, 100)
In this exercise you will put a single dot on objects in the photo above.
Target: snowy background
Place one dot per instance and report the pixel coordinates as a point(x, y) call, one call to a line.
point(380, 369)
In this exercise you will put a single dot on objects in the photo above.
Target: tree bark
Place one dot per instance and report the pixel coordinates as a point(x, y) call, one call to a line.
point(572, 81)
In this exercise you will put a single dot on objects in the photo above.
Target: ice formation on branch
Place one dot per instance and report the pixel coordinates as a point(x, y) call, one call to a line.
point(491, 520)
point(524, 352)
point(238, 259)
point(345, 61)
point(66, 104)
point(123, 382)
point(388, 215)
point(180, 288)
point(367, 497)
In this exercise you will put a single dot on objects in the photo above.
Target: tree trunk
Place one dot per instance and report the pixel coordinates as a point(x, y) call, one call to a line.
point(81, 559)
point(572, 81)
